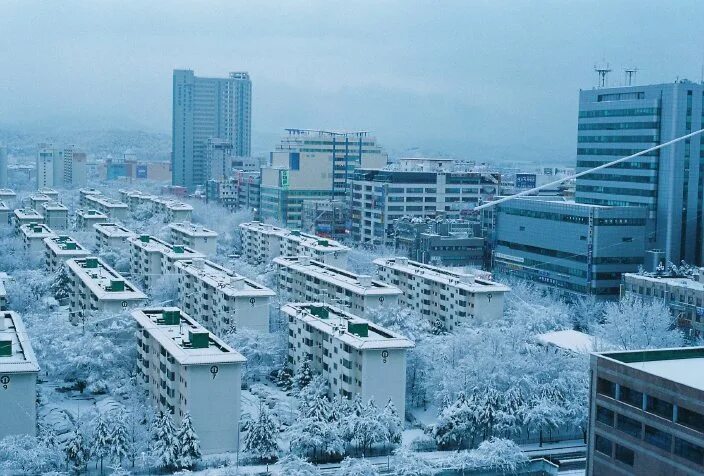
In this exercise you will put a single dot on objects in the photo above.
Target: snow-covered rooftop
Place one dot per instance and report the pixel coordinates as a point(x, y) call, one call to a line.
point(346, 327)
point(175, 338)
point(304, 239)
point(358, 284)
point(224, 279)
point(66, 246)
point(21, 358)
point(172, 204)
point(682, 282)
point(106, 201)
point(48, 191)
point(155, 245)
point(113, 230)
point(39, 197)
point(28, 214)
point(91, 214)
point(193, 229)
point(7, 193)
point(458, 279)
point(36, 230)
point(4, 207)
point(54, 206)
point(571, 340)
point(103, 281)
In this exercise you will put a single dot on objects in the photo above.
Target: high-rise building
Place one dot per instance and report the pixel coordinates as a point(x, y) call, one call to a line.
point(204, 109)
point(3, 166)
point(218, 159)
point(669, 182)
point(45, 165)
point(64, 168)
point(314, 165)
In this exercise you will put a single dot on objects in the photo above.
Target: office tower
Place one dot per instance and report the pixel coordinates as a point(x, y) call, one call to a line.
point(45, 165)
point(669, 183)
point(73, 168)
point(203, 109)
point(646, 413)
point(3, 167)
point(314, 165)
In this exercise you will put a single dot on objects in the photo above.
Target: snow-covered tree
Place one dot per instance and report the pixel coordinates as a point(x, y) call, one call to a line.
point(188, 444)
point(261, 440)
point(392, 423)
point(357, 467)
point(408, 463)
point(101, 442)
point(165, 447)
point(24, 454)
point(120, 444)
point(61, 284)
point(497, 454)
point(76, 450)
point(294, 466)
point(165, 290)
point(365, 425)
point(303, 375)
point(635, 323)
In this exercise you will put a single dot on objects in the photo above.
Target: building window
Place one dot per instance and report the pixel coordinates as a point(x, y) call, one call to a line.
point(689, 451)
point(628, 425)
point(603, 445)
point(624, 455)
point(658, 407)
point(690, 419)
point(605, 387)
point(658, 438)
point(604, 415)
point(631, 397)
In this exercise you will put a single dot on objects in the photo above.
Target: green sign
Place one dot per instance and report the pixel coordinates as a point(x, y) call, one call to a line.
point(283, 178)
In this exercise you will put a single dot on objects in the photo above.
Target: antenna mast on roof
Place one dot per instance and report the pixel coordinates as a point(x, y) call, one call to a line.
point(630, 75)
point(602, 72)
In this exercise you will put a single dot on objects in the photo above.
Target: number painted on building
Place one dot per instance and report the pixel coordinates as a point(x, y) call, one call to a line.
point(384, 355)
point(252, 301)
point(214, 370)
point(4, 380)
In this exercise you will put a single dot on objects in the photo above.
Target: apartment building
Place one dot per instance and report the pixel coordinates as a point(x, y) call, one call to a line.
point(61, 248)
point(49, 192)
point(194, 236)
point(303, 279)
point(112, 236)
point(447, 298)
point(8, 196)
point(18, 378)
point(222, 299)
point(355, 356)
point(240, 191)
point(85, 192)
point(173, 210)
point(4, 215)
point(186, 369)
point(33, 235)
point(646, 412)
point(135, 198)
point(36, 200)
point(55, 215)
point(114, 209)
point(85, 219)
point(96, 287)
point(26, 216)
point(262, 242)
point(152, 258)
point(424, 188)
point(3, 292)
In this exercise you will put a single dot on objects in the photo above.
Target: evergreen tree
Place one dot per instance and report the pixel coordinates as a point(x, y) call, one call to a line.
point(393, 423)
point(119, 439)
point(61, 284)
point(100, 447)
point(76, 450)
point(164, 449)
point(303, 376)
point(188, 444)
point(261, 440)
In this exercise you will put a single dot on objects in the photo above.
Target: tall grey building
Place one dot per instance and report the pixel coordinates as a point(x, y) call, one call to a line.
point(3, 166)
point(616, 122)
point(203, 109)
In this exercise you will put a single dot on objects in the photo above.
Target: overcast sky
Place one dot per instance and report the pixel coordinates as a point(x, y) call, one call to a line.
point(480, 79)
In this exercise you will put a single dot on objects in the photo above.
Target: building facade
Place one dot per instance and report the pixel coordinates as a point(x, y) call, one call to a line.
point(26, 216)
point(85, 219)
point(55, 215)
point(33, 235)
point(114, 209)
point(194, 236)
point(152, 258)
point(59, 249)
point(111, 236)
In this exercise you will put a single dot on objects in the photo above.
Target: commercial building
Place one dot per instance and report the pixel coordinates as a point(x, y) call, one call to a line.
point(114, 209)
point(223, 300)
point(617, 122)
point(18, 378)
point(33, 235)
point(448, 299)
point(304, 280)
point(326, 218)
point(205, 108)
point(218, 159)
point(173, 210)
point(355, 356)
point(45, 165)
point(96, 287)
point(646, 413)
point(55, 215)
point(440, 241)
point(85, 219)
point(427, 188)
point(152, 258)
point(25, 216)
point(238, 192)
point(313, 165)
point(194, 236)
point(596, 244)
point(186, 369)
point(59, 249)
point(62, 168)
point(111, 236)
point(262, 242)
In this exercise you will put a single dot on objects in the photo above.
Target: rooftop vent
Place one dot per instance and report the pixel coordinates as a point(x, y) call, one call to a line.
point(178, 249)
point(71, 245)
point(199, 339)
point(296, 232)
point(116, 285)
point(5, 348)
point(360, 329)
point(365, 280)
point(144, 238)
point(320, 311)
point(171, 318)
point(91, 262)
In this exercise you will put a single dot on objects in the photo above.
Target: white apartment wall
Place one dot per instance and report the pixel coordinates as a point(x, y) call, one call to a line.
point(18, 404)
point(384, 377)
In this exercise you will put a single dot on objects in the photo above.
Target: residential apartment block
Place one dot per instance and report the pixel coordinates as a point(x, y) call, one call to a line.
point(239, 192)
point(26, 216)
point(49, 192)
point(222, 299)
point(173, 210)
point(5, 215)
point(303, 279)
point(96, 287)
point(33, 235)
point(84, 193)
point(36, 200)
point(55, 215)
point(152, 258)
point(194, 236)
point(111, 236)
point(18, 378)
point(85, 219)
point(61, 248)
point(114, 209)
point(8, 196)
point(262, 242)
point(355, 356)
point(3, 292)
point(135, 198)
point(646, 412)
point(447, 298)
point(186, 369)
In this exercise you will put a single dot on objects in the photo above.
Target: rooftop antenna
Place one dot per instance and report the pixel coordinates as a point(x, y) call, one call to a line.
point(603, 72)
point(630, 75)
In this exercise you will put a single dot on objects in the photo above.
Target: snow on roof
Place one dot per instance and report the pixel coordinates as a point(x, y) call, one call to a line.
point(152, 244)
point(223, 279)
point(458, 279)
point(357, 283)
point(571, 340)
point(39, 197)
point(172, 204)
point(22, 358)
point(192, 229)
point(36, 230)
point(106, 201)
point(306, 240)
point(175, 339)
point(66, 246)
point(681, 282)
point(4, 207)
point(101, 278)
point(7, 192)
point(48, 191)
point(91, 214)
point(337, 324)
point(28, 214)
point(114, 230)
point(54, 206)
